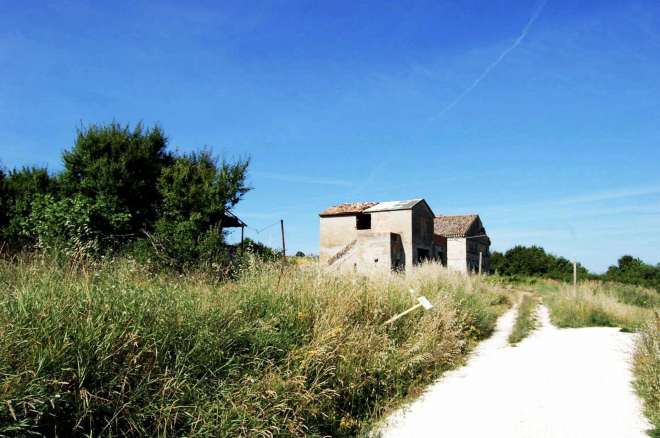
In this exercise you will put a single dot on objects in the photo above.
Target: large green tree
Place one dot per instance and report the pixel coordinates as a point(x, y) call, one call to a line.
point(118, 167)
point(197, 190)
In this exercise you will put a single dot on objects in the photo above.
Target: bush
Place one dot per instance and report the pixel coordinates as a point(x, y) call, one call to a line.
point(19, 189)
point(66, 227)
point(264, 252)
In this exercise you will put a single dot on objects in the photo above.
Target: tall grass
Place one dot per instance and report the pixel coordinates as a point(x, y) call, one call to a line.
point(526, 320)
point(115, 350)
point(646, 367)
point(595, 303)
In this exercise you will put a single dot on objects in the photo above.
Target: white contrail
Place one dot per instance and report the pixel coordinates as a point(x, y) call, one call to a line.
point(488, 69)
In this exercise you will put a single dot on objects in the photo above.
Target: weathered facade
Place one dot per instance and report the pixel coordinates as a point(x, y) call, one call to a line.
point(398, 234)
point(367, 236)
point(465, 241)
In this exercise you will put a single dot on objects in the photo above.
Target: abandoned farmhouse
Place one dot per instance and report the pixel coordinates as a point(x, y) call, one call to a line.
point(364, 236)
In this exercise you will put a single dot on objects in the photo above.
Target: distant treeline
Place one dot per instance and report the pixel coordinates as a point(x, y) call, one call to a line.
point(122, 190)
point(534, 261)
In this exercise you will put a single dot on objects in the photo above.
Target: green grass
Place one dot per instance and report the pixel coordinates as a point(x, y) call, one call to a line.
point(526, 320)
point(115, 350)
point(646, 367)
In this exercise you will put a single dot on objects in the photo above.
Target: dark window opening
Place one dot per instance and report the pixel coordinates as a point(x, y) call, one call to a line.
point(422, 255)
point(363, 221)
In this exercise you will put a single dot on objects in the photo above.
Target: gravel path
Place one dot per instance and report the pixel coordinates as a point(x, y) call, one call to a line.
point(555, 383)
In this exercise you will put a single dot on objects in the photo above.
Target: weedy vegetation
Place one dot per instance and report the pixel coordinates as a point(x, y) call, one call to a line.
point(646, 367)
point(596, 303)
point(526, 320)
point(111, 349)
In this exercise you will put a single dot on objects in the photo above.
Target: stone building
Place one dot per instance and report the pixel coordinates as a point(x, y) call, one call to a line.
point(368, 235)
point(461, 241)
point(364, 236)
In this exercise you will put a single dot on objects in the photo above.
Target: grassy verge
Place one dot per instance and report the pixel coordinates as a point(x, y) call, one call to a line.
point(114, 350)
point(526, 320)
point(646, 367)
point(599, 304)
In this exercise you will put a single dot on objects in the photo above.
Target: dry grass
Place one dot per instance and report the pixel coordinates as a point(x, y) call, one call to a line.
point(598, 304)
point(646, 367)
point(115, 350)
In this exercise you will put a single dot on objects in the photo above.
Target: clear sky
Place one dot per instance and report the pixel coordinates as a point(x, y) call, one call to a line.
point(543, 117)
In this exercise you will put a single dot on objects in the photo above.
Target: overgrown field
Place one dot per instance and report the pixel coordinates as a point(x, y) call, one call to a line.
point(646, 366)
point(596, 303)
point(112, 349)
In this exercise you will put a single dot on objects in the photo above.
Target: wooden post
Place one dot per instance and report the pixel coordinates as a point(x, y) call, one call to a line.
point(242, 234)
point(283, 244)
point(481, 255)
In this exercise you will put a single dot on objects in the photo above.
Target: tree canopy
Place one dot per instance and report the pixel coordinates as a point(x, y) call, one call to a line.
point(634, 271)
point(120, 168)
point(122, 188)
point(533, 261)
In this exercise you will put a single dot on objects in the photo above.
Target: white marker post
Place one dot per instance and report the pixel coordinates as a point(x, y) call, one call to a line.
point(421, 302)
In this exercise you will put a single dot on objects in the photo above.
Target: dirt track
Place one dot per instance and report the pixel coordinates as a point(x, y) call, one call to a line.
point(555, 383)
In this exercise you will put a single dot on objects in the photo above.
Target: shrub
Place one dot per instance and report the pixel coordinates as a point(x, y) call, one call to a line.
point(261, 250)
point(19, 189)
point(66, 227)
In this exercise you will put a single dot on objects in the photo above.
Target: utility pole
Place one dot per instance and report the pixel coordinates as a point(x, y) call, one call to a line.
point(283, 244)
point(481, 256)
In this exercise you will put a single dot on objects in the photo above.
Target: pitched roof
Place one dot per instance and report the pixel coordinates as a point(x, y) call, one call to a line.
point(394, 205)
point(347, 209)
point(454, 226)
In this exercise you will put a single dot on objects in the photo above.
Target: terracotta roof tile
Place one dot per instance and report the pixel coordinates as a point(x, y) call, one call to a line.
point(347, 209)
point(453, 226)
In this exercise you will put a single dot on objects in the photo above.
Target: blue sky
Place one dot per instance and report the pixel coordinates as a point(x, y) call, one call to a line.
point(544, 117)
